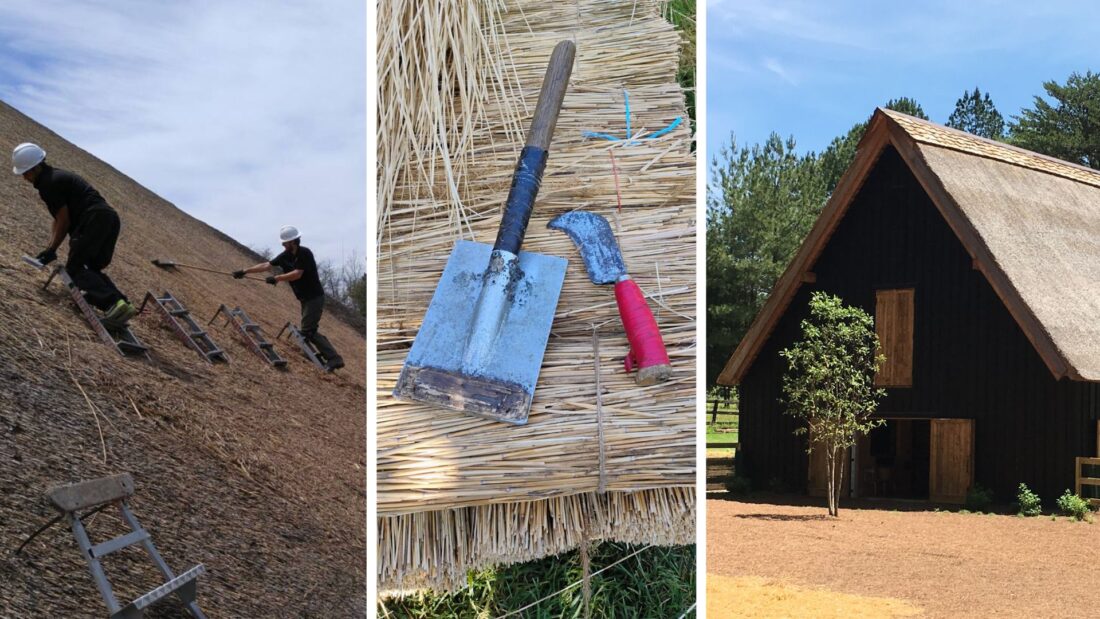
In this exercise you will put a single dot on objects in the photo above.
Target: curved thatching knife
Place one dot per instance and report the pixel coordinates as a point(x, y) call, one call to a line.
point(481, 344)
point(604, 262)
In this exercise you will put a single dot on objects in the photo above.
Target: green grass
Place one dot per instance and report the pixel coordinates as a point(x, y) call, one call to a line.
point(658, 582)
point(681, 13)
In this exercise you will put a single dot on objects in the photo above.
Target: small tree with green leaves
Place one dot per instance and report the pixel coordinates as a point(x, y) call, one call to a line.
point(830, 382)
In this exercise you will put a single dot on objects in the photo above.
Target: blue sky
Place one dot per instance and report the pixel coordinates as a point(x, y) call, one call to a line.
point(247, 114)
point(813, 69)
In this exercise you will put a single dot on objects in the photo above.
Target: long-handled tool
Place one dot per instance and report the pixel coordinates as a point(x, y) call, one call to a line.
point(172, 264)
point(604, 263)
point(481, 344)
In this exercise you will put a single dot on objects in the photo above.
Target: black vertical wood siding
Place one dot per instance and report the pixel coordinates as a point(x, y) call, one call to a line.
point(970, 358)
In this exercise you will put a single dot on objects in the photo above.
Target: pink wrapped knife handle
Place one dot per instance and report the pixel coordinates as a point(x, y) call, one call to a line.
point(647, 349)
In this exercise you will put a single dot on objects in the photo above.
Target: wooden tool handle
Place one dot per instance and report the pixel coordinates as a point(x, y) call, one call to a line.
point(532, 159)
point(551, 95)
point(647, 349)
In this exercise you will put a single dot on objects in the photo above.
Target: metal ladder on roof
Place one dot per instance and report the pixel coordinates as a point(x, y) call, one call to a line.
point(251, 334)
point(94, 496)
point(308, 349)
point(118, 336)
point(185, 327)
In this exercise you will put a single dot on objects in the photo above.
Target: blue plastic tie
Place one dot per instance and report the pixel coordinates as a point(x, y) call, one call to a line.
point(626, 103)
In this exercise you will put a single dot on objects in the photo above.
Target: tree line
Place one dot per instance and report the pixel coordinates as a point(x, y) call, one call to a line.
point(762, 199)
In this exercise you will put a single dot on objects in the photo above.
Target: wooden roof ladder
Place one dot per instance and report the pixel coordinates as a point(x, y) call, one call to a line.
point(118, 336)
point(308, 349)
point(179, 319)
point(92, 497)
point(251, 333)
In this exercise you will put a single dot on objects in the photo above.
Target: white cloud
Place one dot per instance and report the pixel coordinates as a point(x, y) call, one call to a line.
point(774, 66)
point(248, 114)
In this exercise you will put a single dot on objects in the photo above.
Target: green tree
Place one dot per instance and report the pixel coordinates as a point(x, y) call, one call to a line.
point(1068, 128)
point(905, 105)
point(761, 202)
point(838, 155)
point(975, 113)
point(829, 383)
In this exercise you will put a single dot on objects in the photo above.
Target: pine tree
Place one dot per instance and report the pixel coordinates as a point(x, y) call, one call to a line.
point(975, 113)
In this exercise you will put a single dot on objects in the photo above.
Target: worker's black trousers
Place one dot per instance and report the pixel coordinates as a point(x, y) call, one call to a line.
point(91, 247)
point(311, 319)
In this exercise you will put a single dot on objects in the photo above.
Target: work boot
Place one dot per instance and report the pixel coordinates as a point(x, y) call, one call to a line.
point(120, 313)
point(334, 364)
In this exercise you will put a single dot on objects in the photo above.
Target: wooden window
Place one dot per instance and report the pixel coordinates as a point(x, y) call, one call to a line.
point(894, 327)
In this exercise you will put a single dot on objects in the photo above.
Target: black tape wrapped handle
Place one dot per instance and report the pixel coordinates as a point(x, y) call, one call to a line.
point(532, 159)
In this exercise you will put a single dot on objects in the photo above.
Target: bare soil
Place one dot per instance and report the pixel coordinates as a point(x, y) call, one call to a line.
point(946, 564)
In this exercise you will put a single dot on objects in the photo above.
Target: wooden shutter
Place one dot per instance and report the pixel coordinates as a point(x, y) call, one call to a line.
point(894, 327)
point(951, 466)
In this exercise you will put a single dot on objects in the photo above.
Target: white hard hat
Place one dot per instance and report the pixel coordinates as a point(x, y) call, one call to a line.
point(26, 156)
point(288, 233)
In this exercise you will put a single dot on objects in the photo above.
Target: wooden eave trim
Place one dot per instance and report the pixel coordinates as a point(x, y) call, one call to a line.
point(783, 292)
point(982, 257)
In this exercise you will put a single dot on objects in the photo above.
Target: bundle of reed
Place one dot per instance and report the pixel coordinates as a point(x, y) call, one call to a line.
point(458, 492)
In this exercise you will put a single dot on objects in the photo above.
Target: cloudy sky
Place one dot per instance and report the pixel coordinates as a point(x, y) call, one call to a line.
point(247, 114)
point(813, 69)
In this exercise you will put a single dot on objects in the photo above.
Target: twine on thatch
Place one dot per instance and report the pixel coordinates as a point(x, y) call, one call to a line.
point(601, 487)
point(457, 492)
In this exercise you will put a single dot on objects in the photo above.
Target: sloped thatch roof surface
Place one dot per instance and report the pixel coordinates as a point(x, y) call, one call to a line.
point(253, 472)
point(1030, 222)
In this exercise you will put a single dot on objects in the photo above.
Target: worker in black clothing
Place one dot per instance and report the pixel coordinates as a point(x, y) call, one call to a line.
point(92, 226)
point(300, 269)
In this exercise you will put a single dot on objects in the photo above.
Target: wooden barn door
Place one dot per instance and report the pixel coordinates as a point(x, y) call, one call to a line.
point(951, 466)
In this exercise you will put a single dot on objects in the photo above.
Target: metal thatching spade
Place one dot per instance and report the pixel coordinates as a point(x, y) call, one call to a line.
point(604, 263)
point(481, 344)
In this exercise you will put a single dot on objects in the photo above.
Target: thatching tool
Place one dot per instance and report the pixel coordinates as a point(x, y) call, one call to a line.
point(481, 344)
point(604, 263)
point(172, 264)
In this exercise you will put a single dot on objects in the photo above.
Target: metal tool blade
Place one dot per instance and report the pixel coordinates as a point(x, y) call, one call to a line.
point(593, 237)
point(499, 381)
point(34, 262)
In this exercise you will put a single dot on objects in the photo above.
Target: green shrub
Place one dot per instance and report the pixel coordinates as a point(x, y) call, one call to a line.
point(1073, 506)
point(979, 498)
point(738, 485)
point(1030, 503)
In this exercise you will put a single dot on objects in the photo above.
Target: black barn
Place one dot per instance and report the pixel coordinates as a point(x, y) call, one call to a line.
point(981, 265)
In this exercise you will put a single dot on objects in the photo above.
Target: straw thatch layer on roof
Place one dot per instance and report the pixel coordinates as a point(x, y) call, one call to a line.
point(254, 472)
point(440, 471)
point(1042, 230)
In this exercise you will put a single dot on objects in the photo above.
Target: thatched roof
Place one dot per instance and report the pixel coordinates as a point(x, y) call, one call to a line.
point(1030, 223)
point(256, 473)
point(457, 492)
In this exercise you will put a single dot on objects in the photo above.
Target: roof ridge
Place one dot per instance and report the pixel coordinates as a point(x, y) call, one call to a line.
point(933, 134)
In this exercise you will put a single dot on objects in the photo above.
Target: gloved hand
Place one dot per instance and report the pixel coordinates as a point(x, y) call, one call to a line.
point(238, 274)
point(46, 256)
point(271, 280)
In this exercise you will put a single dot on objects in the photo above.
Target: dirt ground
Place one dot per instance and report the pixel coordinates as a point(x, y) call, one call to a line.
point(943, 564)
